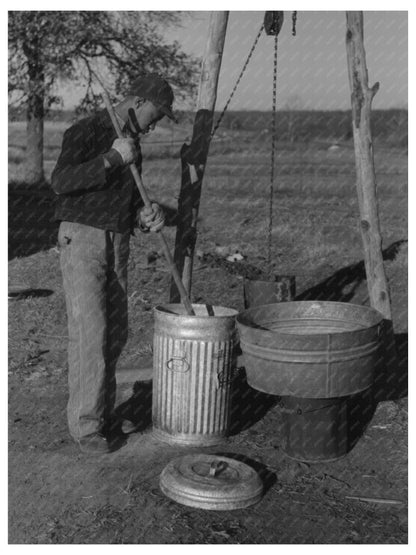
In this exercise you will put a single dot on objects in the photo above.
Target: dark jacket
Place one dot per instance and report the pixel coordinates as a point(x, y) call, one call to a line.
point(88, 193)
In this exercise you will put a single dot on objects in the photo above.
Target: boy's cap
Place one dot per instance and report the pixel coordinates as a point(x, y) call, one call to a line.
point(157, 90)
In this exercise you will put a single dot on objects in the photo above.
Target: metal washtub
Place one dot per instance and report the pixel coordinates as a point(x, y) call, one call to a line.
point(193, 363)
point(310, 349)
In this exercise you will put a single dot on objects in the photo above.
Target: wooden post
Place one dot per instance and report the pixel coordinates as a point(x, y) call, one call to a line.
point(361, 99)
point(194, 156)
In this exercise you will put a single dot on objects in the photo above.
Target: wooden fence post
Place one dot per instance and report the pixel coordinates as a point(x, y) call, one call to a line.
point(361, 99)
point(194, 156)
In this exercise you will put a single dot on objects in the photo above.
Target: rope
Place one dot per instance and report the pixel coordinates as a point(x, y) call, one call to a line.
point(274, 138)
point(238, 80)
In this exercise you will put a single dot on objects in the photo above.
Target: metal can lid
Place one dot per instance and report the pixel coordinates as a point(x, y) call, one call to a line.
point(211, 482)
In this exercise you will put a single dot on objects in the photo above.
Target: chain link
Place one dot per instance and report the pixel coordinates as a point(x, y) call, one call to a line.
point(294, 19)
point(238, 80)
point(270, 232)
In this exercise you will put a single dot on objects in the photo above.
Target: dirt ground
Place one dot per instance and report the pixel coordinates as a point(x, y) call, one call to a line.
point(59, 496)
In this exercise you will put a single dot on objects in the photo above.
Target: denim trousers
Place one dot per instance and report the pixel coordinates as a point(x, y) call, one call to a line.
point(94, 272)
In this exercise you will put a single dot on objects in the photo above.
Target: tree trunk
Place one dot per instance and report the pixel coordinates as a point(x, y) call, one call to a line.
point(194, 156)
point(361, 99)
point(34, 117)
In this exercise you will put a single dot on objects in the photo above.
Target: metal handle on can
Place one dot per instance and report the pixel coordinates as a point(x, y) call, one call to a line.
point(178, 364)
point(299, 411)
point(224, 380)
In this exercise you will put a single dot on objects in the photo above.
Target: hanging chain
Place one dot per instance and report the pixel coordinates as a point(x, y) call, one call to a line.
point(275, 32)
point(274, 138)
point(238, 80)
point(294, 19)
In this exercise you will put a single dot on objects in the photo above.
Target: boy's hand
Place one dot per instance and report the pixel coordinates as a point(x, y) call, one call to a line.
point(152, 218)
point(122, 152)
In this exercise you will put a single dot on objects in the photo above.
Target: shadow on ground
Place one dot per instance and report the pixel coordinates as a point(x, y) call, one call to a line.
point(342, 285)
point(31, 225)
point(391, 375)
point(248, 405)
point(138, 407)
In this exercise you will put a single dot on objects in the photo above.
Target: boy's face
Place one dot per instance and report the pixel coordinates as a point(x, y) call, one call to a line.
point(143, 116)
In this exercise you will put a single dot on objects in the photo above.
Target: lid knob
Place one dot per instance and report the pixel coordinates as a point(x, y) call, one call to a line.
point(217, 467)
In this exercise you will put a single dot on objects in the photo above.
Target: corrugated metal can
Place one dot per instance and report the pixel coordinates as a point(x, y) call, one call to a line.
point(193, 368)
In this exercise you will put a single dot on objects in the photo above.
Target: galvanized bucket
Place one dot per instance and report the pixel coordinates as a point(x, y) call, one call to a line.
point(311, 349)
point(258, 292)
point(193, 367)
point(324, 430)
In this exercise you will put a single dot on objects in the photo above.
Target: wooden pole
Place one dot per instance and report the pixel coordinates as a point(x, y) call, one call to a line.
point(361, 99)
point(194, 156)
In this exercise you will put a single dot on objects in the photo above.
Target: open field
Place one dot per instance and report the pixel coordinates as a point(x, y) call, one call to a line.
point(57, 495)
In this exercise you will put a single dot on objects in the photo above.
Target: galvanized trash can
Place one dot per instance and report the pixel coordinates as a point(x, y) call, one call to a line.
point(193, 367)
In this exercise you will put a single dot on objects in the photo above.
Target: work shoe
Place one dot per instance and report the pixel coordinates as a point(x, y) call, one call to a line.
point(119, 426)
point(128, 427)
point(98, 444)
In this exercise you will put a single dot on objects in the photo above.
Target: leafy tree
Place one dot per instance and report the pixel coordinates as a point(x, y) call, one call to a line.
point(50, 46)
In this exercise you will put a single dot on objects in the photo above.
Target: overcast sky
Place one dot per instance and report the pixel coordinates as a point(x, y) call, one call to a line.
point(312, 66)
